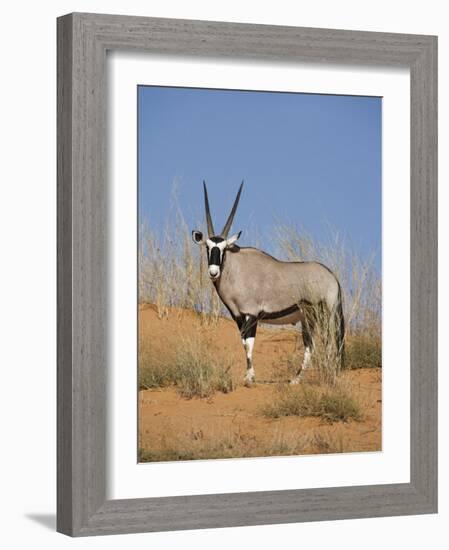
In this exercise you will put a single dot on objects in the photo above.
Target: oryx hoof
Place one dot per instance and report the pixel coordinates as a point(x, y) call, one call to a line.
point(249, 381)
point(296, 380)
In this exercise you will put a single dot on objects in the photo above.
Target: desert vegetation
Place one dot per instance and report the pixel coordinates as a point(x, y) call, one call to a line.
point(225, 444)
point(192, 401)
point(191, 368)
point(331, 403)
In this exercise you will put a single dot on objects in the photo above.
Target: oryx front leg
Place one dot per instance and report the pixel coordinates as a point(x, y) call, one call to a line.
point(248, 344)
point(248, 327)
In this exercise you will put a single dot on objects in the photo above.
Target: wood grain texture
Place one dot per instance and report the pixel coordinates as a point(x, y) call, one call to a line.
point(423, 274)
point(64, 277)
point(83, 40)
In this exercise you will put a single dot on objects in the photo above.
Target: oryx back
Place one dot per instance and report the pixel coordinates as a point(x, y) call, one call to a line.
point(255, 283)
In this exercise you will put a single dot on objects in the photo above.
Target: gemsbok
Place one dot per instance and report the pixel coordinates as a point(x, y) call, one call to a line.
point(257, 288)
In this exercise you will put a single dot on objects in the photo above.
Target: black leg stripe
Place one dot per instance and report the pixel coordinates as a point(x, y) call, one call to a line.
point(247, 326)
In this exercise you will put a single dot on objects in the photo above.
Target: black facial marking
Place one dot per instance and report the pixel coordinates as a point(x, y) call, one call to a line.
point(217, 239)
point(214, 256)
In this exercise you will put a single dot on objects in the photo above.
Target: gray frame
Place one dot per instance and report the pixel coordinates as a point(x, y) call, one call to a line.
point(83, 40)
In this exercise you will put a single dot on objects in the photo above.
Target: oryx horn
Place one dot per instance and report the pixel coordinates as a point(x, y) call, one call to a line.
point(228, 224)
point(210, 225)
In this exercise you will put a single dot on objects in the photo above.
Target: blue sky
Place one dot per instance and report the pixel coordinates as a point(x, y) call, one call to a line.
point(308, 159)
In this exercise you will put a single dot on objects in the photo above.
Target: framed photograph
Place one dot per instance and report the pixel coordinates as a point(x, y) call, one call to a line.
point(247, 274)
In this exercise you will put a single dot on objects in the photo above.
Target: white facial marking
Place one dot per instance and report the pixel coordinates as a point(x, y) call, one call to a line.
point(211, 244)
point(214, 270)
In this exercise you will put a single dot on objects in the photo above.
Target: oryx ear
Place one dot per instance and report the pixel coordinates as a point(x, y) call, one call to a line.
point(232, 240)
point(197, 237)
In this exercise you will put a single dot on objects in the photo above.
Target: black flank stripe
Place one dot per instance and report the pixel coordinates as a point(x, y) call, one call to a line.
point(279, 314)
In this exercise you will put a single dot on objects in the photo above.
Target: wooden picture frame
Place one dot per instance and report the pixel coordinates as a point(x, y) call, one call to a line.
point(83, 40)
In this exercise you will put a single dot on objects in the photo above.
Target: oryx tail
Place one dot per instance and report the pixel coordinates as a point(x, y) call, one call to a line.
point(340, 330)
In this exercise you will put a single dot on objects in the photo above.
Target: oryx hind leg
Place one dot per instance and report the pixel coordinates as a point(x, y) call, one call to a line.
point(248, 328)
point(307, 338)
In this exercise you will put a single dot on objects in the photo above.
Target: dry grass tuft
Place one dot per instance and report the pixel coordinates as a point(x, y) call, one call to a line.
point(154, 373)
point(198, 373)
point(332, 404)
point(192, 369)
point(234, 443)
point(224, 444)
point(329, 443)
point(325, 358)
point(363, 351)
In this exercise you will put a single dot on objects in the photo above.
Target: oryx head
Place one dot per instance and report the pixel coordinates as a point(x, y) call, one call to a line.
point(216, 245)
